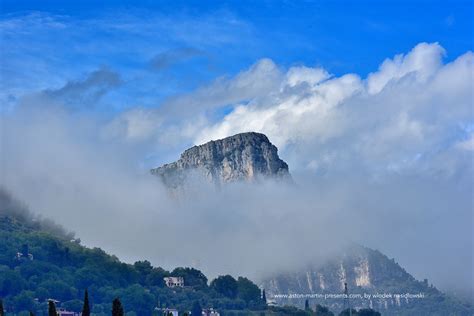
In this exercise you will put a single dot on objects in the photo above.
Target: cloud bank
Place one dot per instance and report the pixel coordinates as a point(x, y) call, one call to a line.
point(384, 160)
point(401, 116)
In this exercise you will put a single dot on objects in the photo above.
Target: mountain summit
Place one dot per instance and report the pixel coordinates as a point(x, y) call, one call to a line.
point(245, 156)
point(250, 156)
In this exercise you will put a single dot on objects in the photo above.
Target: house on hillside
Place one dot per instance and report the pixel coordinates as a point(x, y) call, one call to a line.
point(174, 281)
point(24, 254)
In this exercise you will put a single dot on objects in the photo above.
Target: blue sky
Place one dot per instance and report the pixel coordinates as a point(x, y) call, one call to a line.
point(379, 92)
point(46, 44)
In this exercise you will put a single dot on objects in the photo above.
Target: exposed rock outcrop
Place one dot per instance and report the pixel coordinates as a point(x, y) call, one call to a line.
point(373, 280)
point(246, 156)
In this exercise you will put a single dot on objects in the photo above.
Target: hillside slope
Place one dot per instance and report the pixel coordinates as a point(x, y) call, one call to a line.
point(365, 271)
point(39, 261)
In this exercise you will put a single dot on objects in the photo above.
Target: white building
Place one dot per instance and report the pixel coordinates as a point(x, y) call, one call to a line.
point(174, 281)
point(24, 253)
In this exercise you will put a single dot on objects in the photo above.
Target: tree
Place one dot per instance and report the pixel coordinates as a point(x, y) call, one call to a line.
point(86, 309)
point(192, 277)
point(11, 282)
point(225, 285)
point(73, 305)
point(323, 311)
point(264, 297)
point(348, 312)
point(143, 268)
point(31, 313)
point(60, 289)
point(138, 299)
point(24, 301)
point(306, 305)
point(2, 312)
point(196, 310)
point(368, 312)
point(117, 309)
point(248, 291)
point(155, 277)
point(52, 309)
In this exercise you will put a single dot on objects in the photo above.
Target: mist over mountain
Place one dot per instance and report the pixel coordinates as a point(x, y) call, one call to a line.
point(301, 144)
point(363, 270)
point(373, 161)
point(40, 261)
point(373, 280)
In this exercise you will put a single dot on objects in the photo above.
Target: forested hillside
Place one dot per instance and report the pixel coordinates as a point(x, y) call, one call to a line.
point(39, 261)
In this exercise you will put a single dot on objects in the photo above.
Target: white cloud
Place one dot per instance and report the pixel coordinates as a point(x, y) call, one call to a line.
point(377, 153)
point(180, 119)
point(423, 61)
point(134, 125)
point(294, 113)
point(411, 107)
point(467, 144)
point(259, 80)
point(311, 76)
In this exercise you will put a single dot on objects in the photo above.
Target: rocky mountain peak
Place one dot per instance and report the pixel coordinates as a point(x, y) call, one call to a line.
point(245, 156)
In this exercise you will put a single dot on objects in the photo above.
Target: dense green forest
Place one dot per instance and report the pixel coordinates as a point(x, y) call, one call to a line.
point(59, 267)
point(39, 261)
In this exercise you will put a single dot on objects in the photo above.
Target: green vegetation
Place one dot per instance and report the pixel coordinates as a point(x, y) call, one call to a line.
point(40, 261)
point(225, 285)
point(360, 312)
point(86, 310)
point(117, 309)
point(52, 309)
point(197, 309)
point(323, 311)
point(61, 269)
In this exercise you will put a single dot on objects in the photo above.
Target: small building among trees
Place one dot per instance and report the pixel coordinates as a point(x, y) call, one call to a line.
point(24, 254)
point(174, 281)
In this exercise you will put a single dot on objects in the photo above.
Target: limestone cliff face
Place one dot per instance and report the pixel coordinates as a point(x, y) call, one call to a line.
point(246, 156)
point(359, 267)
point(366, 271)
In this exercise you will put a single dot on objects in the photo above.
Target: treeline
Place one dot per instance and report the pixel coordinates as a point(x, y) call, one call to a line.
point(11, 207)
point(40, 263)
point(60, 269)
